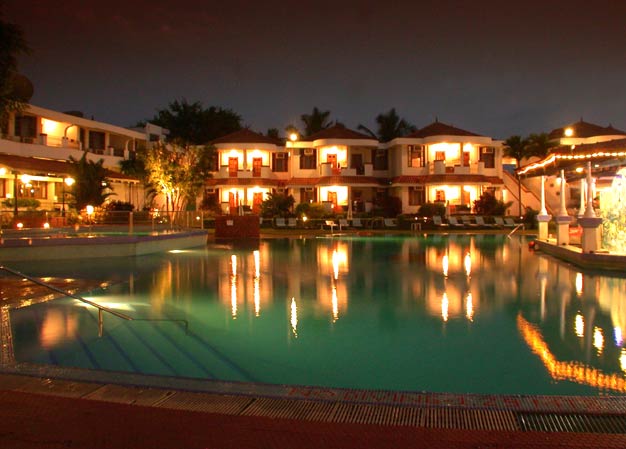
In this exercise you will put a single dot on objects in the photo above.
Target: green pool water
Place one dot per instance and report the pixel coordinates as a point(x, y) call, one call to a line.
point(457, 313)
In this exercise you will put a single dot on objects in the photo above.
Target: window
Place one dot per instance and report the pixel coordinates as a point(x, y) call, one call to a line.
point(308, 158)
point(416, 156)
point(440, 195)
point(26, 127)
point(440, 155)
point(280, 162)
point(33, 189)
point(487, 157)
point(3, 188)
point(417, 196)
point(307, 195)
point(380, 159)
point(96, 140)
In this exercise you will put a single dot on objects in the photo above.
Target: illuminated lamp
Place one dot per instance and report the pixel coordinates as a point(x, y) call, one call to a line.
point(569, 132)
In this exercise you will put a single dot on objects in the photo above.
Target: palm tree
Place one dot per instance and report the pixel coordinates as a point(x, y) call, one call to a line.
point(316, 121)
point(12, 45)
point(539, 145)
point(517, 148)
point(390, 126)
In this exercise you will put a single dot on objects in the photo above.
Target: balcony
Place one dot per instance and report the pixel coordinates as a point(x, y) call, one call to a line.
point(441, 168)
point(326, 169)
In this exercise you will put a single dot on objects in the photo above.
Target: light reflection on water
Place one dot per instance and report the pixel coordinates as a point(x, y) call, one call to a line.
point(442, 313)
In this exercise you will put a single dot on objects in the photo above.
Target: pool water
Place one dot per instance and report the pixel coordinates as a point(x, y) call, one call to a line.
point(444, 313)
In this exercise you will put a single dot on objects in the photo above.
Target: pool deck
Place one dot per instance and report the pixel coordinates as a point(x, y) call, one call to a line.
point(56, 408)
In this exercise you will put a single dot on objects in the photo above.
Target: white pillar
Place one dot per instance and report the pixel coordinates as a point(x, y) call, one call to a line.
point(563, 219)
point(589, 213)
point(543, 218)
point(590, 240)
point(581, 209)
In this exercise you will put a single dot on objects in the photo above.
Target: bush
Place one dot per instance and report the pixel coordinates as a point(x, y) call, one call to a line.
point(530, 218)
point(432, 209)
point(115, 206)
point(487, 204)
point(28, 203)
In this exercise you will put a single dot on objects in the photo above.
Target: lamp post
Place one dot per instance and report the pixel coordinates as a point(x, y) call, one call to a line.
point(69, 182)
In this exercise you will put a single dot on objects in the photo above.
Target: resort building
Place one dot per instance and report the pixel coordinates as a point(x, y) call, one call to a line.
point(37, 143)
point(352, 172)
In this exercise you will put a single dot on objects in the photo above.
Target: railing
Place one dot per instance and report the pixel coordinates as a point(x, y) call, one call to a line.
point(521, 225)
point(91, 303)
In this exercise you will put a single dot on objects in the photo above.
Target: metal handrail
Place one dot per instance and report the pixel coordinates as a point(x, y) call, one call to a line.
point(91, 303)
point(521, 225)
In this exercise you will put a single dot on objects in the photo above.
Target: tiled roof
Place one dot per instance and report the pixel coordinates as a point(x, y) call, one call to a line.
point(50, 167)
point(243, 182)
point(616, 144)
point(338, 132)
point(585, 129)
point(246, 136)
point(438, 128)
point(447, 178)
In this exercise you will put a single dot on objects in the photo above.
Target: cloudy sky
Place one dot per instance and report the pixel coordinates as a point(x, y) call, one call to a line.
point(495, 68)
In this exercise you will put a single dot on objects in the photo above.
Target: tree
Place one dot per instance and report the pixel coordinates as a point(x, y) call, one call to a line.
point(390, 126)
point(12, 45)
point(277, 205)
point(272, 132)
point(91, 182)
point(517, 148)
point(177, 173)
point(192, 124)
point(487, 204)
point(539, 145)
point(315, 122)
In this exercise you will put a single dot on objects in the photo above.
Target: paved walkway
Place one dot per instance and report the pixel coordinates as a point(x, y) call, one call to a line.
point(41, 421)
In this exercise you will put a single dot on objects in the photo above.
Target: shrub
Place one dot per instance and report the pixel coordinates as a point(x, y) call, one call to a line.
point(28, 203)
point(530, 218)
point(487, 204)
point(114, 206)
point(432, 209)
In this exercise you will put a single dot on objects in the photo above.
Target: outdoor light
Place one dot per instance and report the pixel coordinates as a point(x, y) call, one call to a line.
point(3, 171)
point(20, 225)
point(293, 137)
point(25, 179)
point(579, 169)
point(46, 225)
point(66, 182)
point(89, 210)
point(569, 132)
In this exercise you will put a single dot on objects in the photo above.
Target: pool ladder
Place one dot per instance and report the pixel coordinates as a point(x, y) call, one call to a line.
point(100, 308)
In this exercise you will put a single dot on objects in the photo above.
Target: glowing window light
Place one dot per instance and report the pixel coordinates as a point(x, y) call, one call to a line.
point(619, 339)
point(444, 263)
point(579, 284)
point(294, 317)
point(579, 325)
point(622, 360)
point(598, 339)
point(468, 264)
point(444, 307)
point(469, 307)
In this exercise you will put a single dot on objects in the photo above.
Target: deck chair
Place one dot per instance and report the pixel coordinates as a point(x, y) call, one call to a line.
point(291, 222)
point(438, 222)
point(509, 223)
point(454, 222)
point(331, 224)
point(343, 223)
point(280, 223)
point(467, 222)
point(480, 221)
point(356, 223)
point(390, 223)
point(499, 222)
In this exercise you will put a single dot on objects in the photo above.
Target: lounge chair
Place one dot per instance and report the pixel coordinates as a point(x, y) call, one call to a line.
point(467, 222)
point(330, 224)
point(438, 222)
point(480, 221)
point(291, 222)
point(499, 222)
point(390, 223)
point(280, 223)
point(454, 222)
point(509, 223)
point(356, 223)
point(343, 223)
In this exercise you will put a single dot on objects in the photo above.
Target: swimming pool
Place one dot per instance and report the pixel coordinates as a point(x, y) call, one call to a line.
point(441, 313)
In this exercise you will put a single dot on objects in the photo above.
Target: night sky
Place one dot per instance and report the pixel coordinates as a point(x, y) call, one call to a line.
point(495, 68)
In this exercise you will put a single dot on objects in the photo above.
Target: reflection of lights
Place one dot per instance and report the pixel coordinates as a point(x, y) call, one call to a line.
point(257, 263)
point(335, 304)
point(294, 317)
point(444, 307)
point(468, 264)
point(622, 360)
point(444, 263)
point(598, 339)
point(336, 264)
point(573, 371)
point(233, 264)
point(579, 283)
point(108, 305)
point(177, 251)
point(257, 296)
point(469, 306)
point(618, 336)
point(579, 325)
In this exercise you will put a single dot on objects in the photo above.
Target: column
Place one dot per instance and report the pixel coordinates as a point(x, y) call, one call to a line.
point(543, 218)
point(563, 219)
point(590, 239)
point(581, 208)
